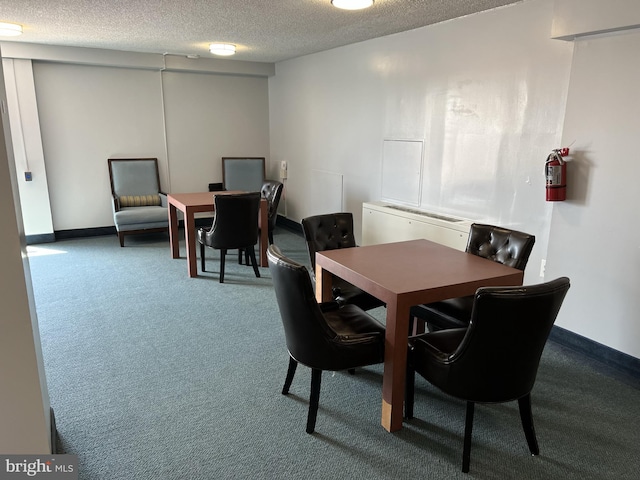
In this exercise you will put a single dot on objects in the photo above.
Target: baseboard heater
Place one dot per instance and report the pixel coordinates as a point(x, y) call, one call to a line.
point(385, 223)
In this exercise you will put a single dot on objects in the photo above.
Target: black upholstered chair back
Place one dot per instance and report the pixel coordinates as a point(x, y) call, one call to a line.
point(272, 191)
point(235, 224)
point(498, 358)
point(509, 247)
point(328, 232)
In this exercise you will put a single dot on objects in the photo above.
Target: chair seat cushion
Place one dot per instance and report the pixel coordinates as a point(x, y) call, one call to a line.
point(141, 215)
point(351, 320)
point(359, 341)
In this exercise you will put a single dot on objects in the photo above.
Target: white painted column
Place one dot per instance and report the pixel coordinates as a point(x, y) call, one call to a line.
point(27, 147)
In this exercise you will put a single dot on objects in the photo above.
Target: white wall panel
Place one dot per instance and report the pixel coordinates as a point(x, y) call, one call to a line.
point(402, 171)
point(595, 235)
point(209, 117)
point(89, 114)
point(326, 193)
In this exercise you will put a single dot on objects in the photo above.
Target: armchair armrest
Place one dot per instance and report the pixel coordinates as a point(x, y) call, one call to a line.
point(115, 203)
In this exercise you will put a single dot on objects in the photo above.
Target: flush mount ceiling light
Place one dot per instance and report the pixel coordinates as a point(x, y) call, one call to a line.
point(10, 29)
point(224, 49)
point(352, 4)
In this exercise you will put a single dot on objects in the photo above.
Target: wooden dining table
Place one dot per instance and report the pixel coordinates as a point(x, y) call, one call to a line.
point(190, 204)
point(404, 274)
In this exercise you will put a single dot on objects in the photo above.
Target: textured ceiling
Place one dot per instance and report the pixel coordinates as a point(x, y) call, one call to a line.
point(263, 30)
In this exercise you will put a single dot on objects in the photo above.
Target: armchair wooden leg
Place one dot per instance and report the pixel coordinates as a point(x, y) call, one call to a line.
point(468, 428)
point(526, 417)
point(202, 256)
point(223, 254)
point(291, 371)
point(270, 235)
point(121, 238)
point(314, 399)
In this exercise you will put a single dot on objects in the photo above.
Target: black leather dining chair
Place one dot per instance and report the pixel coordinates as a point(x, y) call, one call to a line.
point(235, 226)
point(496, 358)
point(328, 232)
point(323, 336)
point(272, 192)
point(502, 245)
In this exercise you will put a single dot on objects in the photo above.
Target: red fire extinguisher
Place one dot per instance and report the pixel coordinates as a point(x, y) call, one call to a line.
point(556, 173)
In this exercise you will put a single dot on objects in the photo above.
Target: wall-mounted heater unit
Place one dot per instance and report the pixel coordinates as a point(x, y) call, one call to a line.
point(384, 223)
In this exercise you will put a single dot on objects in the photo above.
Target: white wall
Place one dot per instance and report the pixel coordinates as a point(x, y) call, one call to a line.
point(488, 93)
point(210, 117)
point(89, 114)
point(595, 237)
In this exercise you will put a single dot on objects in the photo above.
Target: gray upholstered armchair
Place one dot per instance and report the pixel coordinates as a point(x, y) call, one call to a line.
point(139, 206)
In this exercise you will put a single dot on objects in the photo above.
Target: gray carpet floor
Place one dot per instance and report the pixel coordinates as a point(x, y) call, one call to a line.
point(154, 375)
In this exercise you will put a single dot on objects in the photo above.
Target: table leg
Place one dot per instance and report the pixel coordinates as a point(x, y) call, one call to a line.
point(323, 285)
point(395, 363)
point(174, 241)
point(264, 232)
point(190, 241)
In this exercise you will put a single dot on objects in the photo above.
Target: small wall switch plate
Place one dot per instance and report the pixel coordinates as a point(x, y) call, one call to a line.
point(27, 176)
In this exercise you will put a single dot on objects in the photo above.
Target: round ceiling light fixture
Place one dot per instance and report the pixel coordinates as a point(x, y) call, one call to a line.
point(10, 29)
point(224, 49)
point(352, 4)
